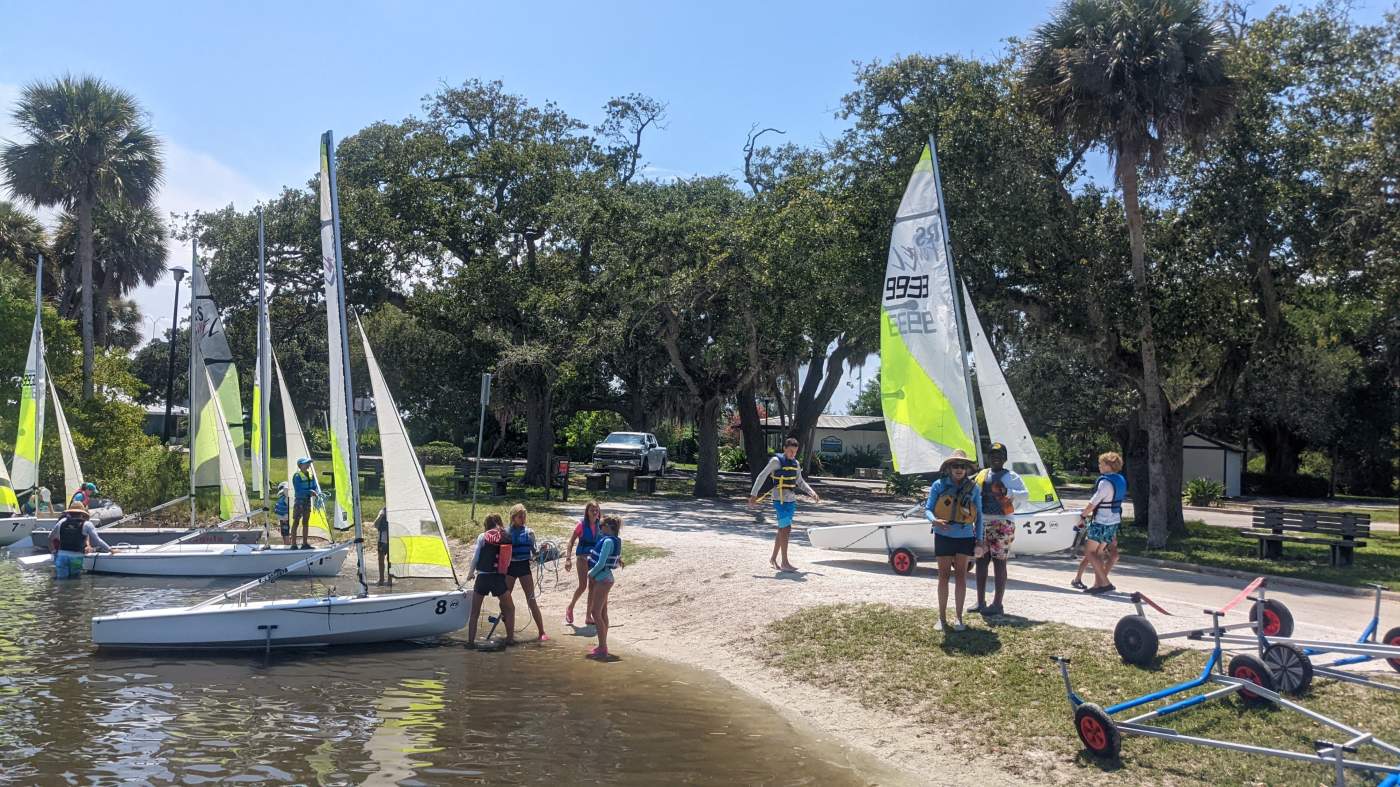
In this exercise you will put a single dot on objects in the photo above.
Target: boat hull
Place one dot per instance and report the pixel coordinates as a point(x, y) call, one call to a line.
point(282, 623)
point(15, 529)
point(1036, 534)
point(151, 536)
point(238, 560)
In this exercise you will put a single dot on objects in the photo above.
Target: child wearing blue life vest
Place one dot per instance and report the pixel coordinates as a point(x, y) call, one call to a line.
point(585, 535)
point(786, 472)
point(954, 509)
point(522, 551)
point(605, 556)
point(283, 510)
point(1103, 515)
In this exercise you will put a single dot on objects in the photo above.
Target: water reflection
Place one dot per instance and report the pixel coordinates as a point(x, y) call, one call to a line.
point(400, 714)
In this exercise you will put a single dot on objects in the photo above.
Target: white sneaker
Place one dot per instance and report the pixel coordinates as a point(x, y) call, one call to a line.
point(959, 626)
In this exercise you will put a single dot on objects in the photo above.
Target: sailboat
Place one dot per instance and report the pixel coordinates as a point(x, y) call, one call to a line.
point(230, 620)
point(927, 388)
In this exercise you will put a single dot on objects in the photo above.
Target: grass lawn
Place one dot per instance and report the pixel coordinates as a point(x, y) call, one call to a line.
point(994, 691)
point(1224, 547)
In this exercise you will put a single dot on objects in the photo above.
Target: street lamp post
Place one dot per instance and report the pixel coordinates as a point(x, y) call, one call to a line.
point(174, 336)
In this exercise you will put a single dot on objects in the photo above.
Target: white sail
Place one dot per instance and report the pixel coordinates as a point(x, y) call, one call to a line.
point(1004, 422)
point(923, 368)
point(215, 355)
point(417, 543)
point(72, 469)
point(233, 489)
point(29, 439)
point(296, 449)
point(9, 503)
point(203, 439)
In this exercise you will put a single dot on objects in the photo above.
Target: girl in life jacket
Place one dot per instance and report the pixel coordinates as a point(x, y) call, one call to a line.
point(490, 561)
point(585, 536)
point(605, 556)
point(954, 510)
point(522, 549)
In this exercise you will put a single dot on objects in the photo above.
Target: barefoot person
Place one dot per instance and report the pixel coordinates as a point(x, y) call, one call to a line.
point(522, 550)
point(786, 472)
point(1002, 490)
point(490, 561)
point(1105, 514)
point(955, 510)
point(581, 543)
point(306, 492)
point(605, 556)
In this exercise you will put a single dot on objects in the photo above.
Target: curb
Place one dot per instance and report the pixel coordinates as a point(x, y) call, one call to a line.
point(1308, 584)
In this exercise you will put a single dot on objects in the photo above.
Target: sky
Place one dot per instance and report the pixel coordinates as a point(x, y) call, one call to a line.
point(241, 91)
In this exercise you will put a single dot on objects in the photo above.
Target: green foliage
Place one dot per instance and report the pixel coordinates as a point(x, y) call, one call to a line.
point(844, 465)
point(440, 453)
point(733, 459)
point(903, 486)
point(1204, 491)
point(587, 428)
point(868, 401)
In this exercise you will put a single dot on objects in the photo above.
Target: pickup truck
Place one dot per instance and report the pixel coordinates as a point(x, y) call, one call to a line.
point(631, 450)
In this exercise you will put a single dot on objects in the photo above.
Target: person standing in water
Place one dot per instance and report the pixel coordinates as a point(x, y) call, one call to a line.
point(581, 543)
point(72, 537)
point(954, 510)
point(786, 473)
point(522, 551)
point(1002, 490)
point(307, 491)
point(605, 556)
point(381, 528)
point(490, 561)
point(1104, 514)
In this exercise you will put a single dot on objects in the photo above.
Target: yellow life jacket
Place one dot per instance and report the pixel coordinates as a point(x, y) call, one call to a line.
point(956, 506)
point(995, 499)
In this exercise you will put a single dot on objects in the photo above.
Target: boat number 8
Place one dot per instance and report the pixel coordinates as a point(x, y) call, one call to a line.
point(441, 606)
point(1033, 528)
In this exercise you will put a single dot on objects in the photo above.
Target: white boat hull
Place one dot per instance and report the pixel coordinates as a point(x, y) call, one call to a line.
point(306, 622)
point(1036, 534)
point(239, 560)
point(15, 529)
point(151, 536)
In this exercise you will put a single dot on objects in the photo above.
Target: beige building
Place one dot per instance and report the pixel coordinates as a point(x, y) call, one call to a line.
point(838, 434)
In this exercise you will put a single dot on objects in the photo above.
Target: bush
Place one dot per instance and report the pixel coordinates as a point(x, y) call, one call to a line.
point(440, 453)
point(901, 485)
point(1286, 484)
point(587, 428)
point(1204, 491)
point(733, 459)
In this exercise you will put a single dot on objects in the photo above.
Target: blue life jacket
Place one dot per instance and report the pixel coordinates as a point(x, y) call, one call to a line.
point(786, 474)
point(587, 537)
point(1120, 491)
point(280, 507)
point(597, 552)
point(304, 485)
point(522, 542)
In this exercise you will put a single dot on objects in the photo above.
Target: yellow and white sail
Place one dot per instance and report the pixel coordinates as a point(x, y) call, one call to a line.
point(296, 448)
point(417, 543)
point(9, 502)
point(29, 439)
point(72, 469)
point(341, 430)
point(923, 368)
point(1004, 422)
point(213, 352)
point(233, 489)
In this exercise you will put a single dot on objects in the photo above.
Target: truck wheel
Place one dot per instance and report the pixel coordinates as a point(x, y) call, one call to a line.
point(1249, 667)
point(1097, 731)
point(1291, 666)
point(1136, 640)
point(1278, 621)
point(903, 562)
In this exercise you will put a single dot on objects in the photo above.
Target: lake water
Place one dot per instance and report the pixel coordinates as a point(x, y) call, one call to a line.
point(394, 714)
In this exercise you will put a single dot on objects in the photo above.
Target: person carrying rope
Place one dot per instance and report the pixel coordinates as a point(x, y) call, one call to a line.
point(786, 474)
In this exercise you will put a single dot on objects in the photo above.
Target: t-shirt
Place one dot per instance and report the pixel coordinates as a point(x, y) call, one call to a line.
point(1103, 514)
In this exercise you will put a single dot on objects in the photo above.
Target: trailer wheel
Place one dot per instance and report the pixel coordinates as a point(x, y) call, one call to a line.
point(1097, 731)
point(1291, 667)
point(1278, 621)
point(903, 562)
point(1135, 639)
point(1392, 638)
point(1249, 667)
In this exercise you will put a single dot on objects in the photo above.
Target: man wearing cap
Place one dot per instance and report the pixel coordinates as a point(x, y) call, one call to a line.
point(1002, 491)
point(72, 537)
point(306, 489)
point(954, 509)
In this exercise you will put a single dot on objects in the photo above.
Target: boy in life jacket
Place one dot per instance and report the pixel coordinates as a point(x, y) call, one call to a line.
point(605, 556)
point(1002, 490)
point(581, 543)
point(1104, 514)
point(282, 508)
point(72, 537)
point(955, 510)
point(490, 561)
point(786, 473)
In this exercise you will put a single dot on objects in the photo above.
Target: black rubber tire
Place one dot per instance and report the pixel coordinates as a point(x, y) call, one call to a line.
point(1276, 617)
point(1097, 731)
point(1292, 668)
point(903, 562)
point(1253, 669)
point(1136, 640)
point(1392, 638)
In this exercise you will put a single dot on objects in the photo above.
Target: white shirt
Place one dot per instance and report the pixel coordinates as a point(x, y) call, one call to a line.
point(1103, 495)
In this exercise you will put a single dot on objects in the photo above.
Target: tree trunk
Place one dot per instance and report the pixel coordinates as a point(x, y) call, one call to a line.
point(85, 251)
point(707, 458)
point(539, 438)
point(1160, 496)
point(820, 383)
point(1134, 443)
point(102, 313)
point(1281, 449)
point(755, 447)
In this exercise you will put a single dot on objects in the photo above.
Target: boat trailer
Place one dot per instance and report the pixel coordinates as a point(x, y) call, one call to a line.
point(1246, 676)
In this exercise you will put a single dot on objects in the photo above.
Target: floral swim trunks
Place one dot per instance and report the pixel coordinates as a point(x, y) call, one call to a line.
point(999, 534)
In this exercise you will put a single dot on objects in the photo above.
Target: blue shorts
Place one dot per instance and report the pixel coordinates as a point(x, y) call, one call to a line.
point(1102, 533)
point(785, 513)
point(67, 565)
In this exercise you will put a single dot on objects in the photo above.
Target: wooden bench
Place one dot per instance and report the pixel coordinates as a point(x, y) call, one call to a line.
point(646, 484)
point(497, 472)
point(596, 482)
point(371, 473)
point(1340, 531)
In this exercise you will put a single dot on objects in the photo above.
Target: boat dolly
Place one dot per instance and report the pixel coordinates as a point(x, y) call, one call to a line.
point(1136, 639)
point(1246, 676)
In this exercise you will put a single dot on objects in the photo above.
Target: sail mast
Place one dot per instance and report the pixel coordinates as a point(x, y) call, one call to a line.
point(42, 371)
point(334, 262)
point(957, 312)
point(262, 381)
point(192, 418)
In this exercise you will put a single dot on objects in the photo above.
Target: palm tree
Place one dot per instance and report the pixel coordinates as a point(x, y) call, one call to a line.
point(1135, 77)
point(129, 250)
point(21, 236)
point(88, 143)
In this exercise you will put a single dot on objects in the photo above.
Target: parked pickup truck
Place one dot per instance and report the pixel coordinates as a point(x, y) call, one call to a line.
point(632, 450)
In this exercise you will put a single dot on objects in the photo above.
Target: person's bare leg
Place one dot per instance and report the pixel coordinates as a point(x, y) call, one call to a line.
point(999, 566)
point(588, 613)
point(528, 583)
point(982, 581)
point(477, 598)
point(1083, 563)
point(945, 570)
point(582, 586)
point(1111, 556)
point(508, 616)
point(960, 591)
point(773, 558)
point(600, 614)
point(784, 536)
point(1096, 559)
